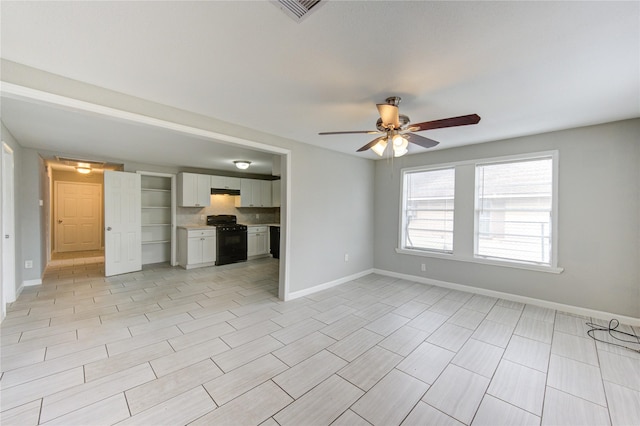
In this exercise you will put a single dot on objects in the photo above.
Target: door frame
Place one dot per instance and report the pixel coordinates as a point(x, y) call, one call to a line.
point(8, 248)
point(56, 233)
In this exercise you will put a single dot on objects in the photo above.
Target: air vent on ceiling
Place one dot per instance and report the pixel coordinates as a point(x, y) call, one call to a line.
point(74, 161)
point(298, 9)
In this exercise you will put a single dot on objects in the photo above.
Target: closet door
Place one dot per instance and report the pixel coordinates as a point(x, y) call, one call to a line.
point(123, 235)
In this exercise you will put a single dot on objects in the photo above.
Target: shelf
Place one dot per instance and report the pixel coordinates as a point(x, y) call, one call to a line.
point(156, 242)
point(155, 190)
point(156, 217)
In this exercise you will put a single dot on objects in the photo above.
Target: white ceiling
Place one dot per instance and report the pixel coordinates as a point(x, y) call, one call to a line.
point(524, 67)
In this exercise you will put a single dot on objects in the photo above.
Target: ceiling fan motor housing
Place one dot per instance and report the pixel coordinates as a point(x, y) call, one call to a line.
point(404, 123)
point(393, 100)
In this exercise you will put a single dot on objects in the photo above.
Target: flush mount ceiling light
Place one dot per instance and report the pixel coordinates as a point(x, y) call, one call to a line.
point(83, 168)
point(242, 164)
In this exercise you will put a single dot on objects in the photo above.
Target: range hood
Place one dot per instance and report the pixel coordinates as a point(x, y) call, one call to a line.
point(224, 191)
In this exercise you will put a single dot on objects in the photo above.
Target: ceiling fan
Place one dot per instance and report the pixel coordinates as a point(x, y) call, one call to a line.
point(395, 128)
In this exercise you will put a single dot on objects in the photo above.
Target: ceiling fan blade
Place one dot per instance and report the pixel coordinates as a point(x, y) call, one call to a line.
point(350, 132)
point(420, 140)
point(389, 115)
point(372, 143)
point(463, 120)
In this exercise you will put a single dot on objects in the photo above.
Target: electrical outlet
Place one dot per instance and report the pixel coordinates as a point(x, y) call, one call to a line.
point(257, 216)
point(28, 264)
point(201, 217)
point(346, 257)
point(423, 267)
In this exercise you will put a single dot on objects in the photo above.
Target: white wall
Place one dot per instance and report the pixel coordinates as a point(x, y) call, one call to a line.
point(598, 223)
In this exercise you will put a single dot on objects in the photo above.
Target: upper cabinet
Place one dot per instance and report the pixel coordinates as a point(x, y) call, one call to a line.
point(194, 190)
point(275, 193)
point(225, 182)
point(254, 193)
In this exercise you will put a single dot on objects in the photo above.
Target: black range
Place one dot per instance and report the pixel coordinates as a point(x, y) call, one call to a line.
point(231, 239)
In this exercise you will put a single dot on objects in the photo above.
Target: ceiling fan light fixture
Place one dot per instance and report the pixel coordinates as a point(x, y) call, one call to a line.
point(399, 151)
point(380, 147)
point(400, 145)
point(398, 140)
point(242, 164)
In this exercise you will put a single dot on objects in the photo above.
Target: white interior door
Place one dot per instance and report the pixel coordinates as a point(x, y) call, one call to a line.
point(8, 230)
point(77, 216)
point(122, 221)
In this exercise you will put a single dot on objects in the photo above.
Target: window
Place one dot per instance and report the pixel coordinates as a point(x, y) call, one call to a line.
point(514, 210)
point(505, 211)
point(427, 210)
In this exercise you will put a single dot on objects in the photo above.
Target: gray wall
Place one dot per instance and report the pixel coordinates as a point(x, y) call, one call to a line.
point(32, 215)
point(598, 222)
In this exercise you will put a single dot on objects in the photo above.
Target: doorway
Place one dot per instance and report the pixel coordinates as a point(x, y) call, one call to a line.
point(77, 201)
point(77, 216)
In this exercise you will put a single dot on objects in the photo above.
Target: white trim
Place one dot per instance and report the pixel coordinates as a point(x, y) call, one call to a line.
point(514, 298)
point(327, 285)
point(30, 283)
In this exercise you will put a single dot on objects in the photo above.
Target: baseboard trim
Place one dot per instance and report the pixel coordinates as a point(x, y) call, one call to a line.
point(514, 298)
point(29, 283)
point(327, 285)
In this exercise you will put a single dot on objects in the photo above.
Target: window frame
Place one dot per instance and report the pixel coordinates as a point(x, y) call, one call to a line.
point(553, 260)
point(466, 252)
point(403, 224)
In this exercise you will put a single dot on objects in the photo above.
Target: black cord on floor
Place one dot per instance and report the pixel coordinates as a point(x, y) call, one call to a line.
point(615, 334)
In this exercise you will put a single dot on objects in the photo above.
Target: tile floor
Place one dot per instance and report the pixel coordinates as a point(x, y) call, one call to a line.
point(215, 346)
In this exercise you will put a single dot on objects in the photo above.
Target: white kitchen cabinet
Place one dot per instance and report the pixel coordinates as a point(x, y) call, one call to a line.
point(225, 182)
point(194, 190)
point(196, 247)
point(275, 193)
point(254, 193)
point(265, 193)
point(257, 241)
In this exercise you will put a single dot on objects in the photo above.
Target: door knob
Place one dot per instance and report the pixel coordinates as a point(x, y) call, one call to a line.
point(7, 236)
point(59, 220)
point(108, 228)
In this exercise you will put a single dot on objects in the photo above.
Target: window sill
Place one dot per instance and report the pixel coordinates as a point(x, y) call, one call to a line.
point(492, 262)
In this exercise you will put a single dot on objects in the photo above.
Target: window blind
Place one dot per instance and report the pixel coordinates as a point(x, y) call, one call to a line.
point(428, 209)
point(514, 210)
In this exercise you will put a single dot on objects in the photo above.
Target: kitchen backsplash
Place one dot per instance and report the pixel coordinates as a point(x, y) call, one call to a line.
point(225, 204)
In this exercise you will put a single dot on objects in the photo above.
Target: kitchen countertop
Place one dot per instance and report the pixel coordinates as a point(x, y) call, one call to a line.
point(196, 227)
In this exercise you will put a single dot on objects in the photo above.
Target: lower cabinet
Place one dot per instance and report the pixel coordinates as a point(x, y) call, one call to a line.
point(257, 241)
point(196, 247)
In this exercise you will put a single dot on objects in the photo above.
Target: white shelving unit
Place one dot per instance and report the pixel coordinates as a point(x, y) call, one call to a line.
point(158, 217)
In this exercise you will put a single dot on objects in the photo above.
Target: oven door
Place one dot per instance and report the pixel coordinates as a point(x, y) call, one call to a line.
point(231, 246)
